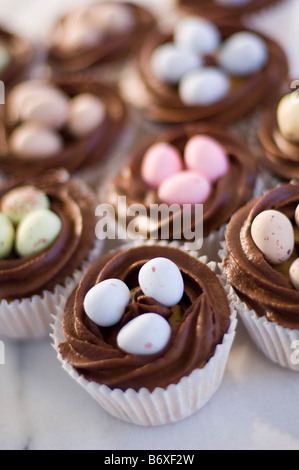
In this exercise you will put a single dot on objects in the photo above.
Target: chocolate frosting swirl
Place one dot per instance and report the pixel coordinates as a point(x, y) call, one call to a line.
point(75, 204)
point(111, 49)
point(245, 95)
point(77, 153)
point(204, 320)
point(226, 196)
point(21, 52)
point(263, 288)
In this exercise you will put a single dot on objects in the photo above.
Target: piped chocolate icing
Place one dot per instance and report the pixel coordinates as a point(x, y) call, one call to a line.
point(203, 322)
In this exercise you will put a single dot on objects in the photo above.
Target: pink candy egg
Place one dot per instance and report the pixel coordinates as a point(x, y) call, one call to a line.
point(186, 187)
point(207, 156)
point(273, 234)
point(161, 161)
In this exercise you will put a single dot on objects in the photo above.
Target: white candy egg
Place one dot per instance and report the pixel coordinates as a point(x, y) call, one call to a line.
point(7, 234)
point(294, 274)
point(198, 35)
point(106, 302)
point(204, 87)
point(243, 54)
point(30, 140)
point(87, 112)
point(37, 231)
point(171, 62)
point(273, 234)
point(162, 280)
point(145, 335)
point(297, 215)
point(20, 201)
point(288, 117)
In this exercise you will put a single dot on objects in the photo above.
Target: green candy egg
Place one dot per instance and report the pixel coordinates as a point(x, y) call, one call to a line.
point(18, 202)
point(37, 231)
point(7, 235)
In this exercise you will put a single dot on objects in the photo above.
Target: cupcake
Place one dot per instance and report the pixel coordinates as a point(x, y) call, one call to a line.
point(150, 353)
point(15, 57)
point(191, 165)
point(261, 263)
point(225, 9)
point(67, 122)
point(98, 34)
point(204, 71)
point(279, 136)
point(47, 239)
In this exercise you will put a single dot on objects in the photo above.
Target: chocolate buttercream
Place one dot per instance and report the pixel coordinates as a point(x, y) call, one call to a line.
point(21, 57)
point(246, 93)
point(263, 288)
point(75, 204)
point(231, 191)
point(112, 49)
point(204, 320)
point(77, 153)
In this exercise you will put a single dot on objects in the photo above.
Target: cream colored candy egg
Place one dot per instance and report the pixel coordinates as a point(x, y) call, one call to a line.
point(7, 234)
point(87, 112)
point(31, 140)
point(288, 117)
point(20, 201)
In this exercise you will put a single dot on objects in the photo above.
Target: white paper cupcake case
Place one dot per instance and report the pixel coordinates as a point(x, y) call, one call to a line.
point(30, 318)
point(161, 406)
point(276, 342)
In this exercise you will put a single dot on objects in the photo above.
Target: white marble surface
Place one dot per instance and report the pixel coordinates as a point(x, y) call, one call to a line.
point(42, 408)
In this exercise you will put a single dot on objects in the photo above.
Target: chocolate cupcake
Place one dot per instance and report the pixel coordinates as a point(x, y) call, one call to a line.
point(15, 57)
point(170, 372)
point(261, 264)
point(47, 240)
point(195, 164)
point(205, 71)
point(98, 34)
point(68, 122)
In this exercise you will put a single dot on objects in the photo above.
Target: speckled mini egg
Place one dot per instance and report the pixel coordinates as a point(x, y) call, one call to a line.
point(170, 63)
point(20, 201)
point(197, 34)
point(160, 161)
point(243, 54)
point(144, 335)
point(204, 87)
point(186, 187)
point(288, 117)
point(37, 231)
point(30, 140)
point(294, 274)
point(162, 280)
point(7, 234)
point(106, 302)
point(273, 234)
point(87, 112)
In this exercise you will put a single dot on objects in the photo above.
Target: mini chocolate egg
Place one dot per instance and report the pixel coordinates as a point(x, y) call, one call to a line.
point(30, 140)
point(106, 302)
point(288, 118)
point(20, 201)
point(171, 62)
point(37, 231)
point(161, 161)
point(243, 54)
point(294, 274)
point(204, 87)
point(186, 187)
point(112, 19)
point(5, 57)
point(87, 112)
point(198, 35)
point(207, 156)
point(162, 280)
point(297, 215)
point(273, 234)
point(144, 335)
point(7, 236)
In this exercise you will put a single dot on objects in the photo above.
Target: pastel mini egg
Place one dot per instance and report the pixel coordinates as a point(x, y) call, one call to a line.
point(297, 215)
point(294, 274)
point(204, 87)
point(198, 35)
point(273, 234)
point(162, 280)
point(112, 19)
point(7, 236)
point(144, 335)
point(31, 140)
point(20, 201)
point(76, 32)
point(288, 117)
point(106, 302)
point(87, 112)
point(207, 156)
point(243, 54)
point(37, 231)
point(160, 161)
point(5, 57)
point(186, 187)
point(171, 62)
